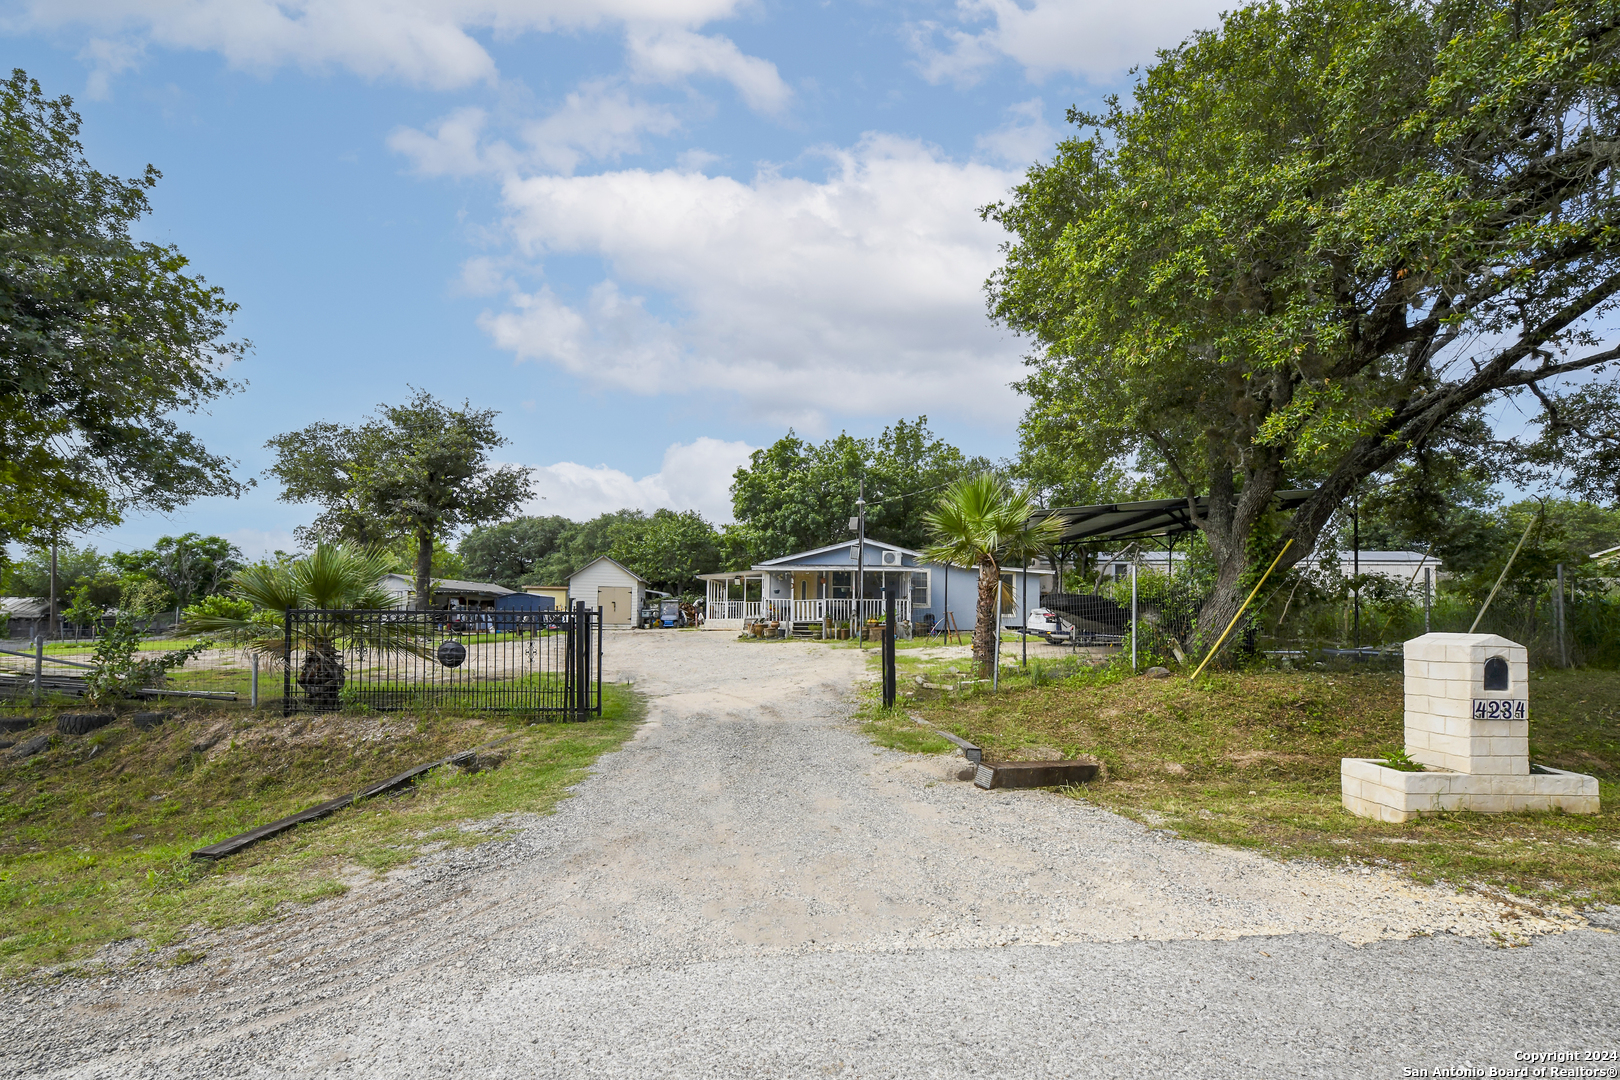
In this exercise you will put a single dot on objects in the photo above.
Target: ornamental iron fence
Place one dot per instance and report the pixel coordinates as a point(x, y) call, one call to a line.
point(544, 663)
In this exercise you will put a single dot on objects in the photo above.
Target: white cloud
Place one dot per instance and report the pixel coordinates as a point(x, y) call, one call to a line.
point(694, 476)
point(451, 149)
point(428, 42)
point(1024, 138)
point(664, 54)
point(860, 293)
point(1094, 38)
point(596, 122)
point(259, 543)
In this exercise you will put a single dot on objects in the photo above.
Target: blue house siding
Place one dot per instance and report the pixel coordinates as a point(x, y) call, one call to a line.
point(962, 592)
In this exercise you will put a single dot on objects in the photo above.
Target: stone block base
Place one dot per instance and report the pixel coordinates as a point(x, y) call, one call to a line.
point(1374, 790)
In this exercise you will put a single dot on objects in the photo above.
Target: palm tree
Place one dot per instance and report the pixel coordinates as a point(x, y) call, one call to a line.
point(333, 581)
point(980, 521)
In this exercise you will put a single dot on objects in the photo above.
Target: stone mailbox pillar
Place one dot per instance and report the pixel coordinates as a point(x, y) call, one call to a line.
point(1468, 724)
point(1468, 703)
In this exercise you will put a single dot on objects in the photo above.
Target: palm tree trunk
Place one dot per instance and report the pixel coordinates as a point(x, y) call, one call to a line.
point(988, 615)
point(322, 675)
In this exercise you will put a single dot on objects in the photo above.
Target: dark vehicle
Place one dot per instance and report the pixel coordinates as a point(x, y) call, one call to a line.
point(1090, 615)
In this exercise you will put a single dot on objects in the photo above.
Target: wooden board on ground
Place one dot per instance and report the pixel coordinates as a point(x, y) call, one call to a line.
point(1033, 774)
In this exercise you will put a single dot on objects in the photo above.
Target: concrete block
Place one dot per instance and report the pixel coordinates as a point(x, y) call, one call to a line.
point(1427, 782)
point(1487, 803)
point(1450, 800)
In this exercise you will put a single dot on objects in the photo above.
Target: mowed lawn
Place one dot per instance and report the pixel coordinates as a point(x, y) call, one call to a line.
point(1252, 759)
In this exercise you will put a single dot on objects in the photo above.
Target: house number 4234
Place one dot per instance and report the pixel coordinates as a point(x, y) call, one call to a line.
point(1499, 709)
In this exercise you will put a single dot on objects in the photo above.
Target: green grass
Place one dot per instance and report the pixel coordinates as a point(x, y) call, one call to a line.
point(96, 833)
point(1251, 759)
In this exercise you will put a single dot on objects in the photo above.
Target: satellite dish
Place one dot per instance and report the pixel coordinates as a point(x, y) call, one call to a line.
point(452, 654)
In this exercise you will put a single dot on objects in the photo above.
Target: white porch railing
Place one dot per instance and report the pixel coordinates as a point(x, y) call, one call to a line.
point(803, 610)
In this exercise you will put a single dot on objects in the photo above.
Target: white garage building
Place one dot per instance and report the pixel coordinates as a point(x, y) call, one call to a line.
point(613, 587)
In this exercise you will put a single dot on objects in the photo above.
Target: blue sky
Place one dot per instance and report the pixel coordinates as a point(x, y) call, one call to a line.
point(652, 234)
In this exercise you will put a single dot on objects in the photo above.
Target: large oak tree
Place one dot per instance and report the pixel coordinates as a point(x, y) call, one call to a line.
point(1313, 239)
point(419, 470)
point(103, 338)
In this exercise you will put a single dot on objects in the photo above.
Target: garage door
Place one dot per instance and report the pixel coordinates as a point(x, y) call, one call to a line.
point(616, 609)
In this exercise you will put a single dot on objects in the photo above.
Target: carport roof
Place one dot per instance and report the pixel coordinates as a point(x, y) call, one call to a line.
point(1153, 517)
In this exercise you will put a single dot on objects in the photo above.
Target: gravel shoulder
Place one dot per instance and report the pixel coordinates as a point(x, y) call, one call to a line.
point(750, 888)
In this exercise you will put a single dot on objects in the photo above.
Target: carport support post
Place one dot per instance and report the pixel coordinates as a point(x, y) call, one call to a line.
point(39, 666)
point(888, 648)
point(1023, 610)
point(1133, 616)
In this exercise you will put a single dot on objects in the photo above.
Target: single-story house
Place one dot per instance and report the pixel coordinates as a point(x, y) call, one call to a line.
point(27, 616)
point(811, 586)
point(558, 594)
point(448, 592)
point(610, 585)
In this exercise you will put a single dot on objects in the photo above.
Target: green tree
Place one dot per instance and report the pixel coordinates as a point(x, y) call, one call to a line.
point(670, 550)
point(1314, 237)
point(982, 522)
point(103, 338)
point(515, 553)
point(907, 469)
point(31, 574)
point(795, 495)
point(1579, 443)
point(189, 567)
point(419, 470)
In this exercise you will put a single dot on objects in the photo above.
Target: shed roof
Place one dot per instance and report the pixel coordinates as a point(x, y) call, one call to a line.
point(615, 562)
point(24, 607)
point(455, 585)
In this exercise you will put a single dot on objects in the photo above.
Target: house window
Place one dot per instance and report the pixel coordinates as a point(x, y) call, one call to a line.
point(843, 585)
point(919, 589)
point(1009, 599)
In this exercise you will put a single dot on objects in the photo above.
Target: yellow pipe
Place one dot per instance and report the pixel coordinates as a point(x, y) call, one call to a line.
point(1242, 609)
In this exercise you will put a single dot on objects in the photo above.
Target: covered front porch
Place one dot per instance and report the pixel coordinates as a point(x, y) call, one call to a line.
point(800, 596)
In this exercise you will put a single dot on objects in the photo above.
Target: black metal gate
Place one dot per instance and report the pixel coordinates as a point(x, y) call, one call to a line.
point(545, 663)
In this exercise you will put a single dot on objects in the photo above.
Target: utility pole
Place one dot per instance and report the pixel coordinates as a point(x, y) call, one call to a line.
point(55, 623)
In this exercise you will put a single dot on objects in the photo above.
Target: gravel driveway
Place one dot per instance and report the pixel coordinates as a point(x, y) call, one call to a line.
point(749, 888)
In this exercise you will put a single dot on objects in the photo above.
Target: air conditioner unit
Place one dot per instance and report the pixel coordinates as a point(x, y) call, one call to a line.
point(891, 558)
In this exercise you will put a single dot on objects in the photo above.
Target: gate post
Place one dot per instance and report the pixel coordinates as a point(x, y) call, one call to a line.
point(888, 648)
point(286, 665)
point(570, 650)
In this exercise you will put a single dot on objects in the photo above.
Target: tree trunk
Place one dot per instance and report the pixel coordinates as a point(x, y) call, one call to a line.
point(1223, 603)
point(988, 616)
point(424, 569)
point(322, 676)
